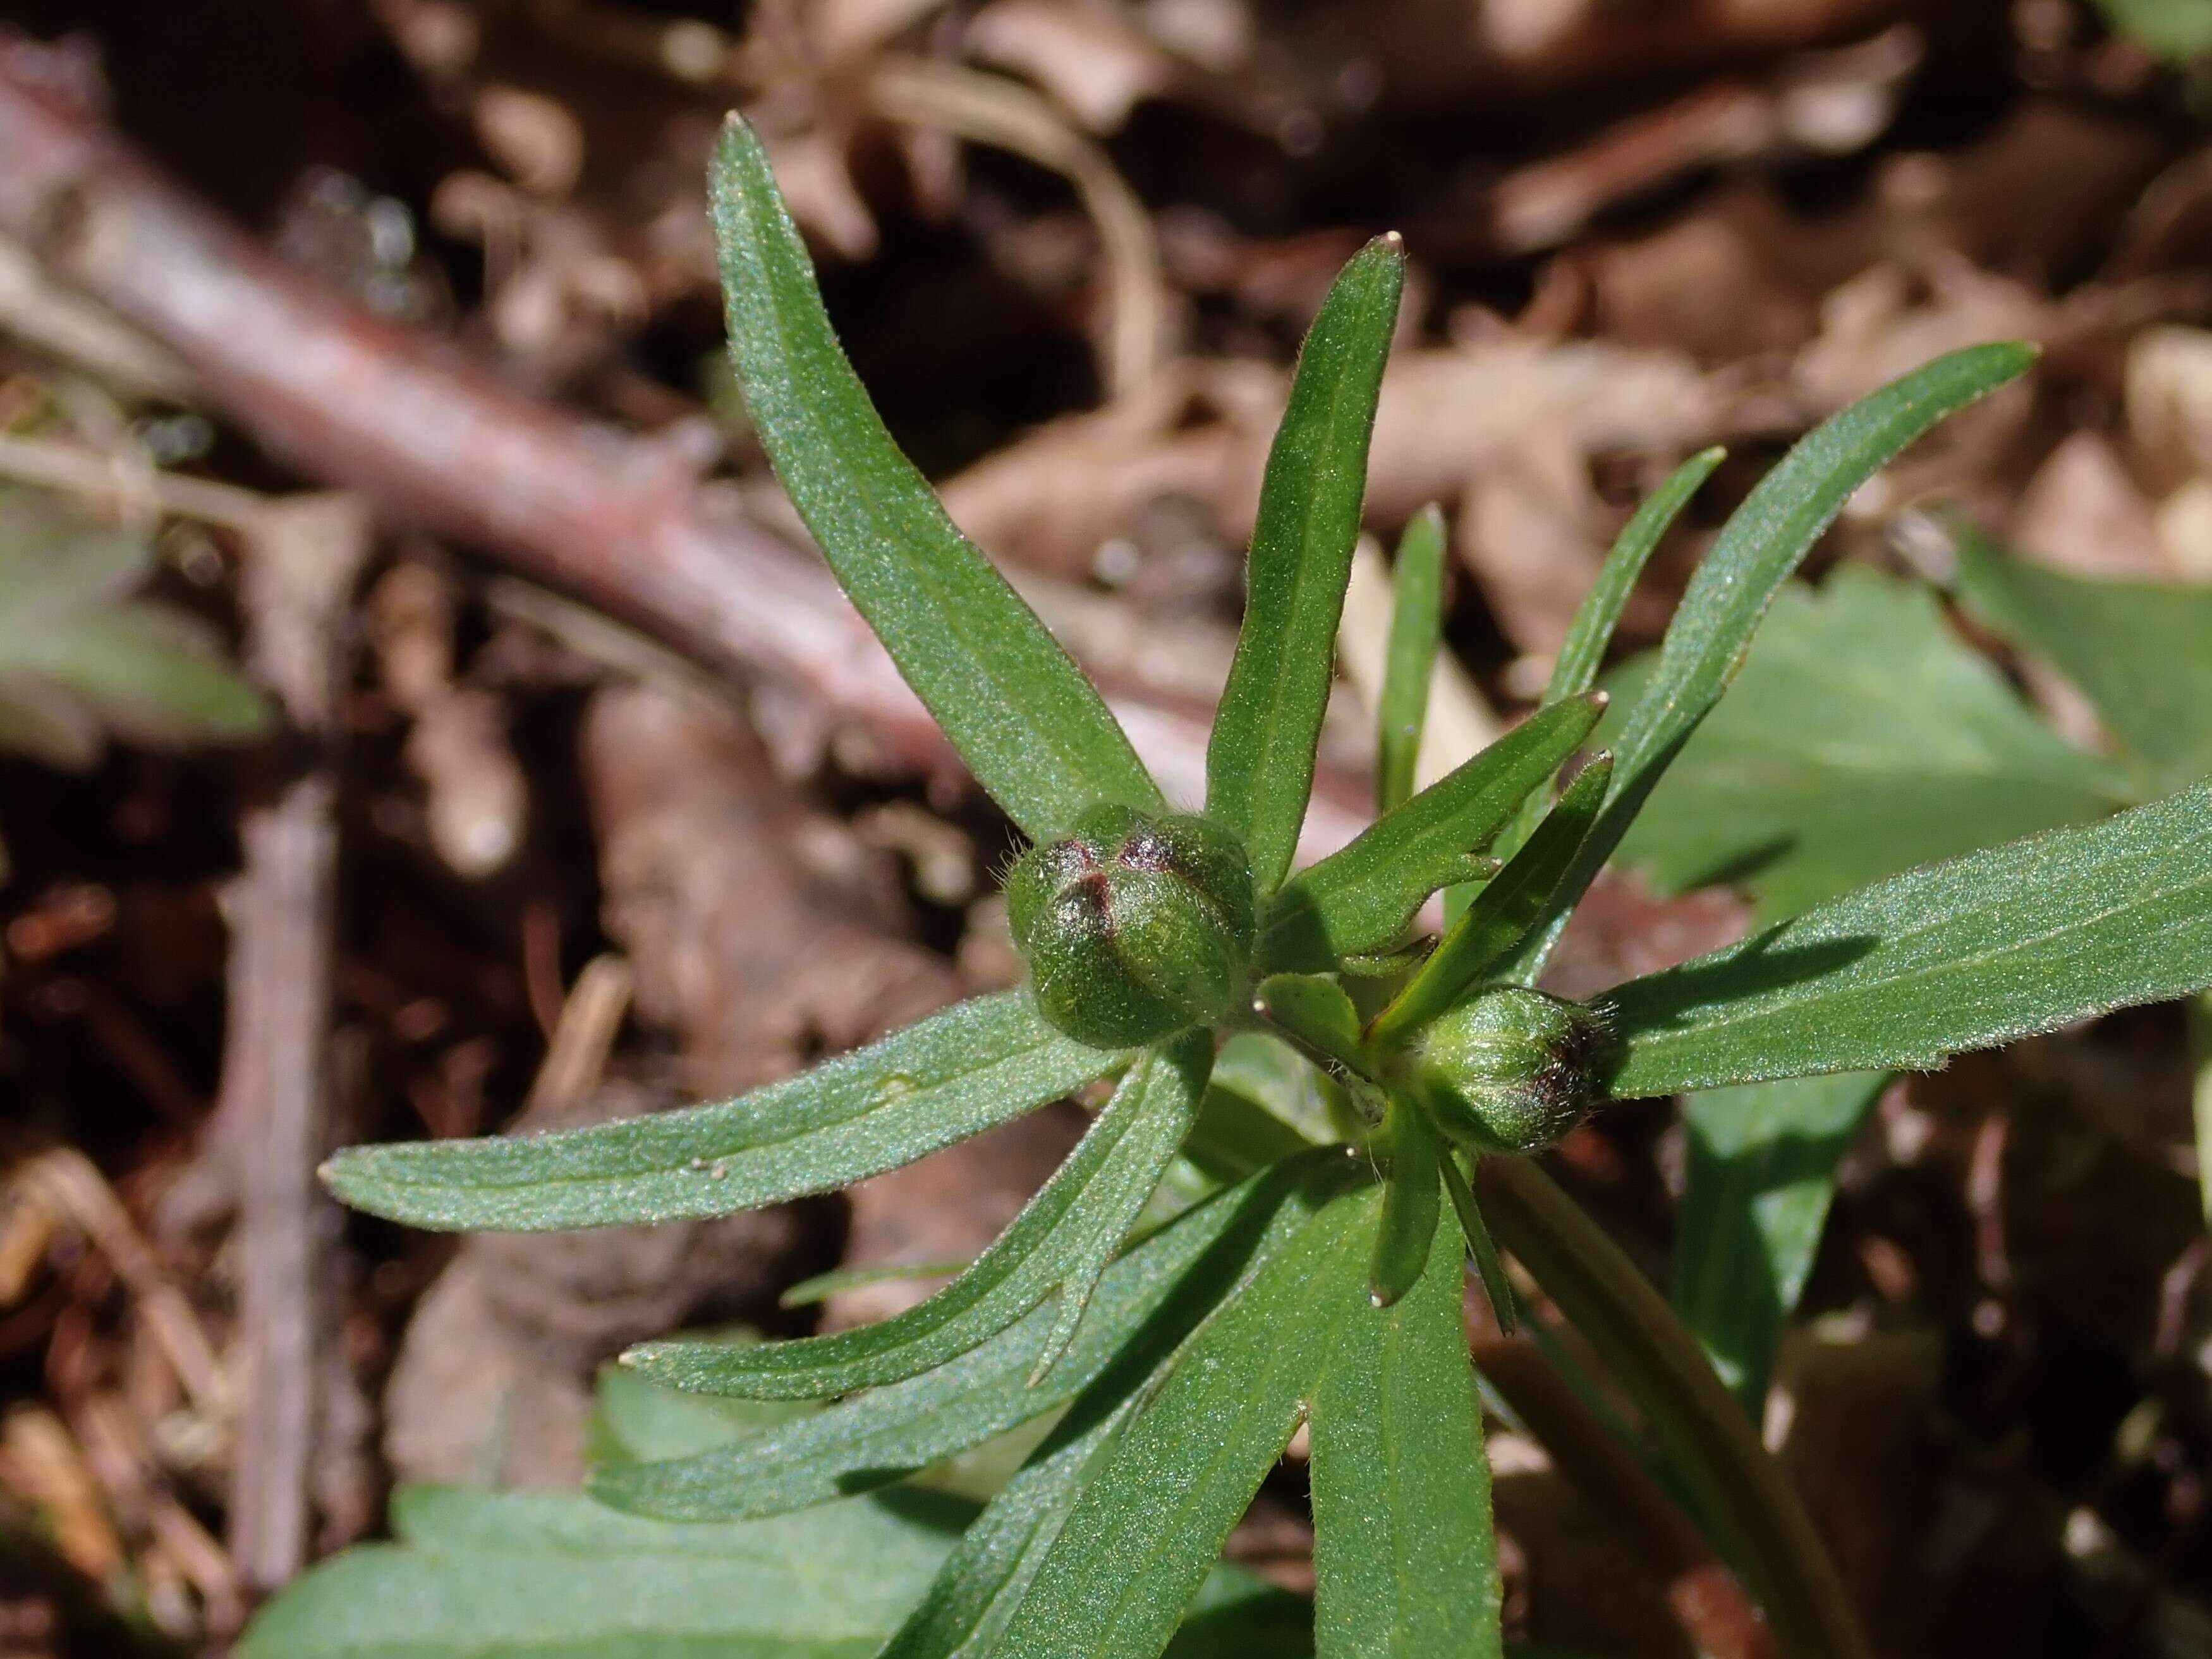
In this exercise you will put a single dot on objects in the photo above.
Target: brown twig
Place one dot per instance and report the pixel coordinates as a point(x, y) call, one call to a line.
point(303, 557)
point(430, 439)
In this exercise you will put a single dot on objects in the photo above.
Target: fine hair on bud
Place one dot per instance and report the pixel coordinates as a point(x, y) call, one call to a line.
point(1509, 1069)
point(1134, 927)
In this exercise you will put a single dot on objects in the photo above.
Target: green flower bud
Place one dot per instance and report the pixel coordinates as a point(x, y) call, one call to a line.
point(1134, 927)
point(1508, 1070)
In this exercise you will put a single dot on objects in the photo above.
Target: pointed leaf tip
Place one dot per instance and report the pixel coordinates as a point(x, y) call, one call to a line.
point(1034, 731)
point(1259, 758)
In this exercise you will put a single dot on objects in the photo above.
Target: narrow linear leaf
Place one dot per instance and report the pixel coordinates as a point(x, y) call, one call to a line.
point(1481, 1249)
point(2138, 649)
point(1576, 669)
point(1405, 1562)
point(1145, 1304)
point(1416, 618)
point(1406, 1225)
point(1362, 898)
point(1260, 763)
point(1061, 1241)
point(1762, 544)
point(1034, 731)
point(1503, 912)
point(1761, 1173)
point(1316, 1010)
point(1148, 1526)
point(1966, 954)
point(949, 1077)
point(985, 1579)
point(1862, 737)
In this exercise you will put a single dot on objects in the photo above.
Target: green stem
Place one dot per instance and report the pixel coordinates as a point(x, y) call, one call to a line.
point(1614, 1307)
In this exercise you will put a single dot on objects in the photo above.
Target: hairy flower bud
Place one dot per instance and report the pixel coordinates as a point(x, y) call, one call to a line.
point(1508, 1070)
point(1134, 927)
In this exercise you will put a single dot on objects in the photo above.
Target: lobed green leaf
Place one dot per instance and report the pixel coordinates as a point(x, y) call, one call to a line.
point(1060, 1243)
point(1417, 617)
point(1147, 1529)
point(1034, 731)
point(1260, 763)
point(479, 1575)
point(1862, 737)
point(1405, 1561)
point(1761, 1172)
point(1967, 954)
point(1362, 897)
point(1762, 544)
point(949, 1077)
point(2136, 649)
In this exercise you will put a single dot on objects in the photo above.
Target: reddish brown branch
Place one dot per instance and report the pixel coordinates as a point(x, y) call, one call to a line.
point(433, 441)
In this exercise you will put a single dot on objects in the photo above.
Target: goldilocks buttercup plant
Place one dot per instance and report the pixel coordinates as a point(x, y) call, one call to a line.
point(1309, 1287)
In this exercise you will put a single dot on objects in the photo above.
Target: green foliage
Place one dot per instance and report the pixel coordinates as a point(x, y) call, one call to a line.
point(1411, 1203)
point(479, 1575)
point(1145, 1304)
point(1210, 1268)
point(1143, 1534)
point(1761, 1172)
point(1405, 1565)
point(1317, 1013)
point(1059, 1245)
point(1259, 766)
point(1927, 753)
point(1361, 898)
point(1417, 614)
point(81, 659)
point(1582, 654)
point(1967, 954)
point(1034, 731)
point(952, 1076)
point(1864, 737)
point(2178, 31)
point(1761, 545)
point(2136, 649)
point(1503, 913)
point(540, 1576)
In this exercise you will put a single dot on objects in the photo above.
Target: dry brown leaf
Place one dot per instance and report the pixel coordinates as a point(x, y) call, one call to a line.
point(1093, 58)
point(2083, 513)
